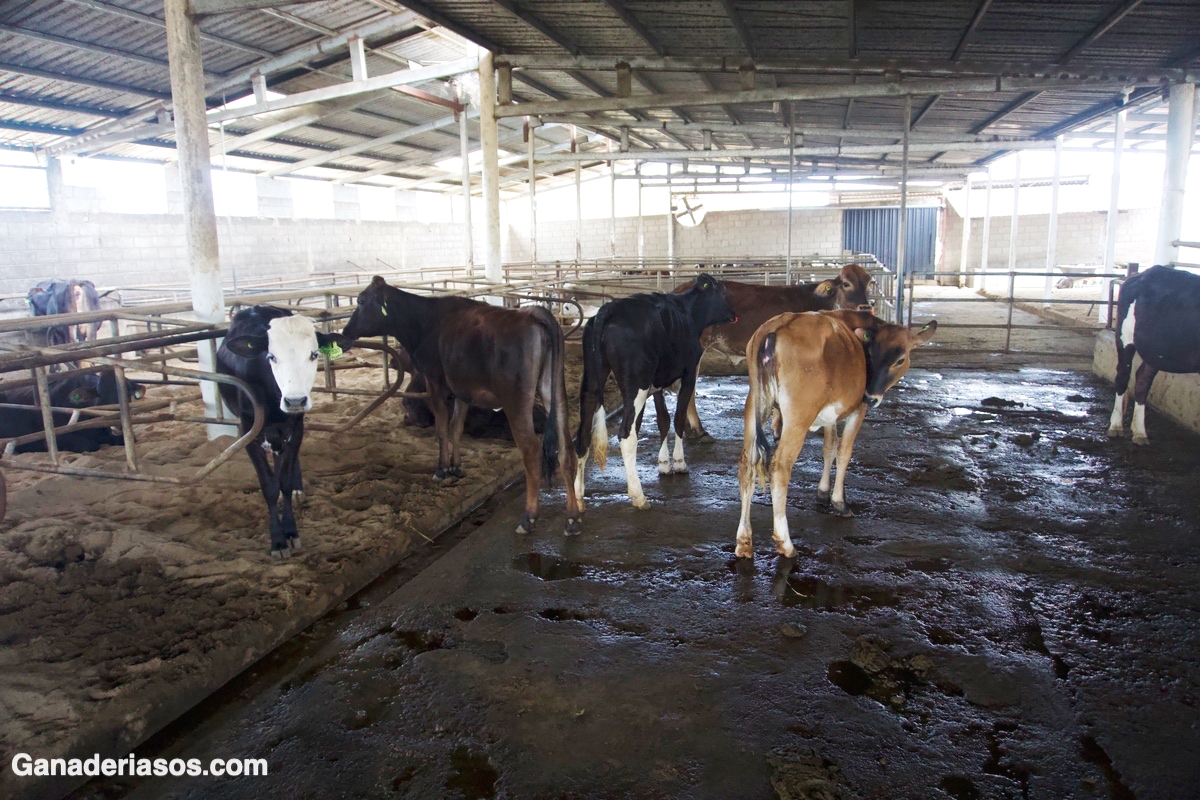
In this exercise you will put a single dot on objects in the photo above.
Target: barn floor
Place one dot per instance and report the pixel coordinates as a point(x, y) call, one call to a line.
point(1013, 612)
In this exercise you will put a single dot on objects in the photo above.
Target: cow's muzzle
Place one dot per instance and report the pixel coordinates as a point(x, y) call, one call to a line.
point(867, 306)
point(295, 405)
point(872, 400)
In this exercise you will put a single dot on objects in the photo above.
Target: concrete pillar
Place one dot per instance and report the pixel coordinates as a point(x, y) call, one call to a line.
point(1012, 227)
point(641, 233)
point(987, 231)
point(1110, 227)
point(464, 139)
point(787, 278)
point(671, 231)
point(1052, 233)
point(612, 207)
point(199, 213)
point(532, 196)
point(488, 136)
point(964, 259)
point(902, 237)
point(1181, 130)
point(578, 201)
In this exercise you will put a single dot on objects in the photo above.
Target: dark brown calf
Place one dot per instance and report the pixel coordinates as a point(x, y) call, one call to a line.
point(475, 354)
point(810, 371)
point(755, 304)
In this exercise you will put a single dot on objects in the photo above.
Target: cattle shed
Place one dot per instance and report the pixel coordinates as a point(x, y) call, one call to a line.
point(1009, 606)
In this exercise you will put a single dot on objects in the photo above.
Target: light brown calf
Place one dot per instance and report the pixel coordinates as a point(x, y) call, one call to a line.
point(815, 371)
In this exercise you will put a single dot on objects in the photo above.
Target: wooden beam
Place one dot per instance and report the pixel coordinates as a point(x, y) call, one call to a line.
point(199, 8)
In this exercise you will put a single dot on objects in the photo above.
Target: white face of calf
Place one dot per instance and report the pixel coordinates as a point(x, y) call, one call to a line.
point(292, 353)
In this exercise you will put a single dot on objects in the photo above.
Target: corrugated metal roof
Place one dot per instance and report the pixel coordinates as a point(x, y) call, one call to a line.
point(73, 65)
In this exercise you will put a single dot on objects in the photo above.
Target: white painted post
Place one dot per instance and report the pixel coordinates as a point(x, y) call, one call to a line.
point(578, 203)
point(533, 254)
point(612, 207)
point(186, 67)
point(903, 231)
point(492, 268)
point(787, 278)
point(1012, 227)
point(1052, 233)
point(1114, 192)
point(641, 244)
point(987, 231)
point(671, 231)
point(964, 257)
point(1181, 129)
point(464, 138)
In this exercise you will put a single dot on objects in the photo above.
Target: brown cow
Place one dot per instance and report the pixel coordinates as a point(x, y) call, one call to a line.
point(755, 304)
point(475, 354)
point(816, 372)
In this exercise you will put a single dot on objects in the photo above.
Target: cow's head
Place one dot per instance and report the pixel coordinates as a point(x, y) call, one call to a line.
point(849, 289)
point(291, 347)
point(888, 348)
point(370, 317)
point(711, 303)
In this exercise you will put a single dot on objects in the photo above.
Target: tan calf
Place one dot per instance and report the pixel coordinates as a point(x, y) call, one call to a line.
point(810, 371)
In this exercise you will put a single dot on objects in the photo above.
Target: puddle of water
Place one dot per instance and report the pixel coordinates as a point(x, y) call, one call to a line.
point(466, 614)
point(807, 591)
point(959, 787)
point(420, 641)
point(472, 774)
point(546, 567)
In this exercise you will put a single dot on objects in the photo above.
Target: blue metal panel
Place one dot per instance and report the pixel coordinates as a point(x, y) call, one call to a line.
point(877, 231)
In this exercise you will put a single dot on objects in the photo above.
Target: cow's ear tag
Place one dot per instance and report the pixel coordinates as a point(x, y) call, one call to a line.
point(77, 398)
point(383, 308)
point(827, 288)
point(332, 350)
point(864, 334)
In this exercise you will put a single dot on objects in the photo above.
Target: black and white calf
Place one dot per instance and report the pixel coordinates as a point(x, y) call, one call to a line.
point(275, 352)
point(1158, 317)
point(647, 341)
point(77, 391)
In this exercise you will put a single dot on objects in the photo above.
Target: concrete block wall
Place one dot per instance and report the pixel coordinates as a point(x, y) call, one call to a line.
point(80, 237)
point(1080, 239)
point(723, 235)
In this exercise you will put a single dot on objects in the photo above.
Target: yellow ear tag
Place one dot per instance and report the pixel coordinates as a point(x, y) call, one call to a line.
point(332, 350)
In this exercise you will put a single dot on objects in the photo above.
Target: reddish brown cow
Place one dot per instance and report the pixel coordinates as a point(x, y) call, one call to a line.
point(755, 304)
point(815, 371)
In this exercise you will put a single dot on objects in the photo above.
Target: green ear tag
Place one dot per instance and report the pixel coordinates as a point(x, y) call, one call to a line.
point(332, 350)
point(383, 308)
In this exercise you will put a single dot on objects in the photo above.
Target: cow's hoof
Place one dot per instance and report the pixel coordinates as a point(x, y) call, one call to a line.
point(786, 549)
point(447, 476)
point(1143, 440)
point(680, 467)
point(842, 510)
point(574, 526)
point(641, 503)
point(456, 472)
point(700, 436)
point(744, 550)
point(297, 499)
point(294, 542)
point(664, 468)
point(526, 524)
point(823, 497)
point(1116, 433)
point(280, 552)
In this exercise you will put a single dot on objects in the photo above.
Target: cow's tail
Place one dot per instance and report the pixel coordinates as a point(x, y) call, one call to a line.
point(593, 429)
point(554, 434)
point(763, 376)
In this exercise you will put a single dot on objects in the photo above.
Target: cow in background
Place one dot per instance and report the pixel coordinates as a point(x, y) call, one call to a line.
point(75, 391)
point(275, 352)
point(754, 304)
point(476, 354)
point(810, 371)
point(647, 342)
point(66, 297)
point(1158, 318)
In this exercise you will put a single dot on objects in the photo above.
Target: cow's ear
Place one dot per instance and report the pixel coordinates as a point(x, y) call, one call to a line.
point(826, 288)
point(704, 283)
point(378, 282)
point(926, 333)
point(332, 344)
point(247, 346)
point(865, 335)
point(82, 396)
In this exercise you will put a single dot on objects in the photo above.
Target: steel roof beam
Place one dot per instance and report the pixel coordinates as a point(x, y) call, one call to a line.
point(1104, 27)
point(35, 72)
point(137, 16)
point(55, 105)
point(85, 46)
point(201, 8)
point(438, 18)
point(38, 127)
point(800, 152)
point(969, 33)
point(740, 26)
point(635, 25)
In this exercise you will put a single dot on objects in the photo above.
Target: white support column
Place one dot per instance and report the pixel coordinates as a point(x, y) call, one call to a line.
point(358, 59)
point(532, 196)
point(903, 232)
point(578, 201)
point(964, 259)
point(612, 207)
point(1052, 233)
point(488, 135)
point(641, 234)
point(671, 231)
point(787, 279)
point(1114, 192)
point(1181, 129)
point(987, 231)
point(1012, 226)
point(199, 214)
point(464, 138)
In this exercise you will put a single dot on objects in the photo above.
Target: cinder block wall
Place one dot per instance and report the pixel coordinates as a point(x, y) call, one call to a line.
point(1080, 239)
point(81, 238)
point(723, 235)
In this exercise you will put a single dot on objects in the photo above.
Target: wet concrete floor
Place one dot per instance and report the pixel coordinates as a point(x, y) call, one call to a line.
point(1014, 611)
